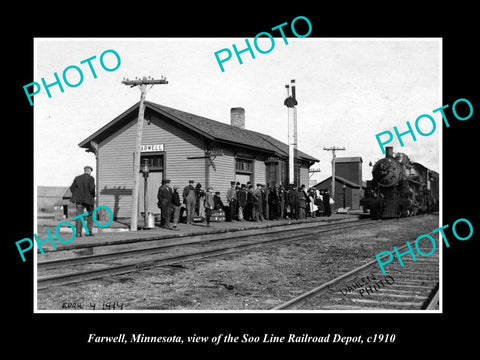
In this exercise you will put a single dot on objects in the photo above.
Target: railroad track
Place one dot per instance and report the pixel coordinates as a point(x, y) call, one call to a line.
point(154, 245)
point(135, 259)
point(366, 288)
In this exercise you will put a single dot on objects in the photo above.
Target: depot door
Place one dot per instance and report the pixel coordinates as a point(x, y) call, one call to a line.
point(154, 181)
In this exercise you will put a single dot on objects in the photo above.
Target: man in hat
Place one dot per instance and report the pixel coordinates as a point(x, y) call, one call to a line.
point(265, 201)
point(176, 206)
point(281, 201)
point(232, 200)
point(242, 201)
point(83, 194)
point(292, 200)
point(250, 208)
point(199, 200)
point(302, 202)
point(274, 201)
point(189, 199)
point(217, 202)
point(326, 203)
point(164, 196)
point(258, 194)
point(208, 204)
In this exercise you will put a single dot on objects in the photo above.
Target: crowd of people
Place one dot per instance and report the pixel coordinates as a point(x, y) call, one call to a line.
point(243, 202)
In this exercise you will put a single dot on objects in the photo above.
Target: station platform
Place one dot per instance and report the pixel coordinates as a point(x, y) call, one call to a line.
point(119, 233)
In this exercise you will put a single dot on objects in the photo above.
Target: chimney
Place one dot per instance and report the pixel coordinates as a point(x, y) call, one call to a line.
point(237, 117)
point(389, 151)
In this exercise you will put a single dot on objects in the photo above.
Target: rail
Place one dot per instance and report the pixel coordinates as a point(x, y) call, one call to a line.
point(66, 278)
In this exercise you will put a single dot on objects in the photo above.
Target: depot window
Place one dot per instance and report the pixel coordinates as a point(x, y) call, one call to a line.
point(154, 161)
point(244, 165)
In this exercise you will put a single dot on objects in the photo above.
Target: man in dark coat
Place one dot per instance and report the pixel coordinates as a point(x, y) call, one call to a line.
point(282, 193)
point(250, 208)
point(258, 207)
point(326, 203)
point(292, 199)
point(232, 201)
point(189, 199)
point(266, 201)
point(302, 202)
point(217, 202)
point(164, 196)
point(242, 201)
point(83, 194)
point(273, 202)
point(176, 206)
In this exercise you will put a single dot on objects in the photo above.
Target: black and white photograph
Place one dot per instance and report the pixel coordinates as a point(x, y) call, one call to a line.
point(273, 182)
point(243, 189)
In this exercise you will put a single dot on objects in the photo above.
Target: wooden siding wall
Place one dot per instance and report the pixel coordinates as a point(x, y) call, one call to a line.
point(304, 180)
point(260, 172)
point(224, 173)
point(351, 171)
point(115, 161)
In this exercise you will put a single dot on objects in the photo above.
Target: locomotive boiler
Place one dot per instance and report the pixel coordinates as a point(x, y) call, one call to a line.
point(401, 187)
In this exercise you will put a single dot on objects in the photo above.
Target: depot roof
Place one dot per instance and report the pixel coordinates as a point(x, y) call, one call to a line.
point(211, 129)
point(348, 159)
point(340, 180)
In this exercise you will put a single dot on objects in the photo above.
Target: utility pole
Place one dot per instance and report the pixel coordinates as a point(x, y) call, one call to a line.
point(333, 149)
point(290, 102)
point(142, 83)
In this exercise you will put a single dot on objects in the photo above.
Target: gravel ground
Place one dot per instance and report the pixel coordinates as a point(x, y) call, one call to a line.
point(249, 280)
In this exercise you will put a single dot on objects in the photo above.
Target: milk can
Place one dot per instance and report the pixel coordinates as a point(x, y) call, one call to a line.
point(150, 220)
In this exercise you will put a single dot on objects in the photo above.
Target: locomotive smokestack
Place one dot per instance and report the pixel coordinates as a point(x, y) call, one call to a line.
point(389, 151)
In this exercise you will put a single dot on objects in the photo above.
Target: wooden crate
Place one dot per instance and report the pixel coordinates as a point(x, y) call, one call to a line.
point(217, 216)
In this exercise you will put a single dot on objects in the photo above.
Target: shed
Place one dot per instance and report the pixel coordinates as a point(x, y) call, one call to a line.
point(47, 196)
point(353, 192)
point(64, 209)
point(349, 168)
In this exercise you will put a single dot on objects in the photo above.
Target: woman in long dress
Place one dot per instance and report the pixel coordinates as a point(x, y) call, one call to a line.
point(313, 207)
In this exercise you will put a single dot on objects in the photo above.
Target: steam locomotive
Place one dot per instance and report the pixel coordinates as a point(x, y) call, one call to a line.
point(401, 187)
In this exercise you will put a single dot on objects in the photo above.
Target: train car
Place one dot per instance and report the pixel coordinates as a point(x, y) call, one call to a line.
point(402, 187)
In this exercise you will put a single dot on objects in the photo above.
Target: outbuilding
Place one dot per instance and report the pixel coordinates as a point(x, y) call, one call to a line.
point(345, 190)
point(182, 146)
point(64, 208)
point(348, 182)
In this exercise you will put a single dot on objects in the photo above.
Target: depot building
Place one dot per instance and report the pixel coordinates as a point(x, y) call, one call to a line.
point(181, 146)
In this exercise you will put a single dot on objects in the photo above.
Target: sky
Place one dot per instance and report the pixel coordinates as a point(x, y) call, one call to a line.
point(348, 90)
